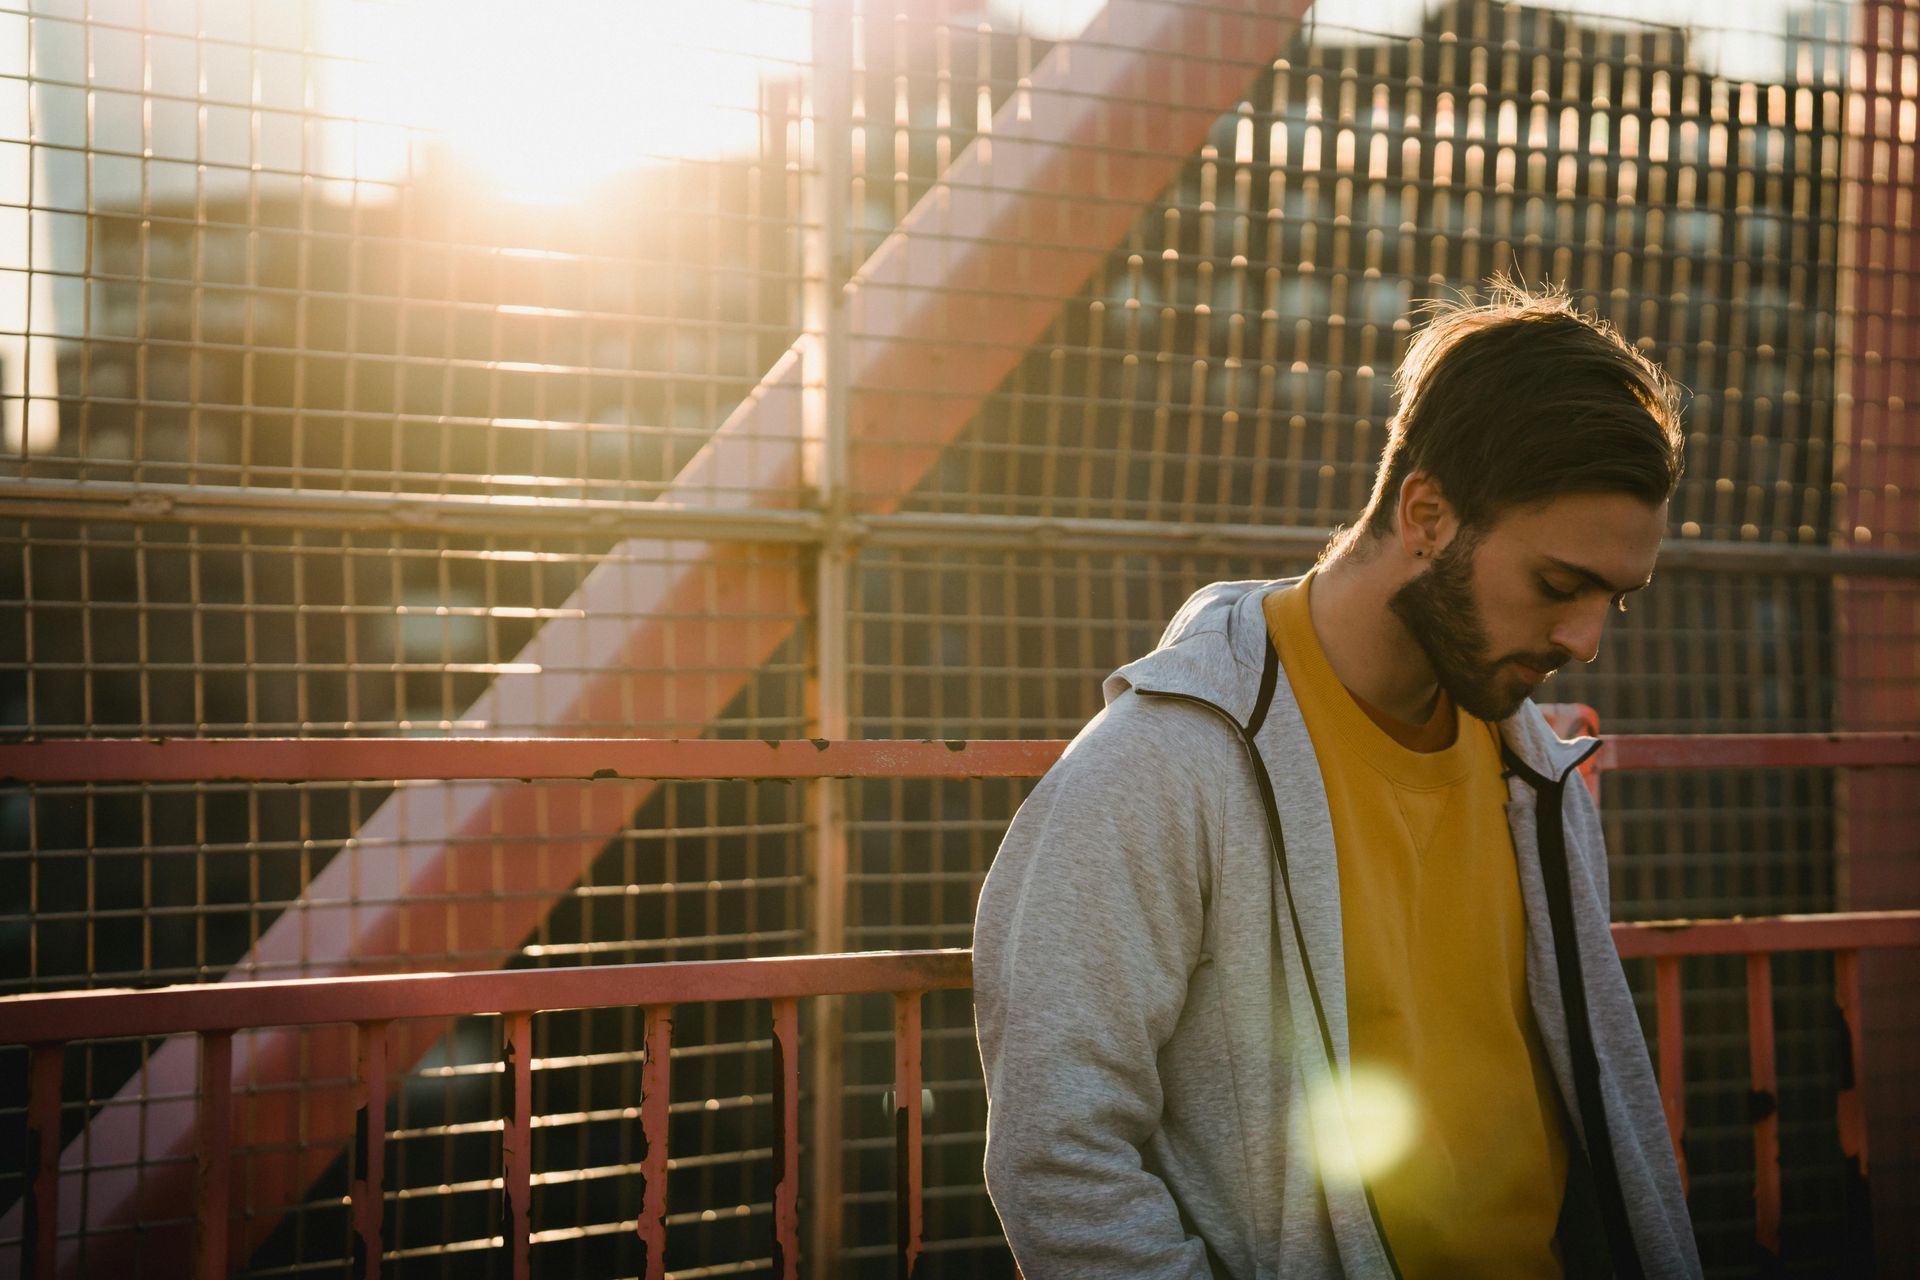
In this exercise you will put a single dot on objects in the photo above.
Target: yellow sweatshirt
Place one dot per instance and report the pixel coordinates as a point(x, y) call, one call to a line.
point(1458, 1124)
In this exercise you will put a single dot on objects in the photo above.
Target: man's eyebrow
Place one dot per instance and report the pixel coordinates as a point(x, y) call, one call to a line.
point(1580, 571)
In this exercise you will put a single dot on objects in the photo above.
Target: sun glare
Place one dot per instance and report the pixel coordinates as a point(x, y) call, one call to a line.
point(1384, 1119)
point(545, 103)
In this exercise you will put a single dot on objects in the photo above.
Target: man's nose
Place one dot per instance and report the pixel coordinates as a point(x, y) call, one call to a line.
point(1579, 629)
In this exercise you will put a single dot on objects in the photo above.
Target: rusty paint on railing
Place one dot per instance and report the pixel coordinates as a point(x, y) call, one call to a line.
point(307, 760)
point(1851, 1112)
point(786, 1139)
point(907, 1119)
point(655, 1092)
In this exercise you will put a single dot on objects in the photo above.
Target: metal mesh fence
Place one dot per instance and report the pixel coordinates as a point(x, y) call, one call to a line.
point(890, 369)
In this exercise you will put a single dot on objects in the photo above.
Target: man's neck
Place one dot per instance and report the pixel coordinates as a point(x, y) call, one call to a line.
point(1369, 648)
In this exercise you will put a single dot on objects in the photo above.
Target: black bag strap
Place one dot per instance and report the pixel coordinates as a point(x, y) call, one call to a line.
point(1550, 793)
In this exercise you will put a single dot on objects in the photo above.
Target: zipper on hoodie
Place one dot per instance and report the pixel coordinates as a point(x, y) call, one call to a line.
point(1276, 844)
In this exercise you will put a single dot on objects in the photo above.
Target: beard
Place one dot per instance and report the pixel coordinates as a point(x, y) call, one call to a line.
point(1439, 610)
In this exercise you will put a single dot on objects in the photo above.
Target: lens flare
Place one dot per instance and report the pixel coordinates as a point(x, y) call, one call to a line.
point(1366, 1132)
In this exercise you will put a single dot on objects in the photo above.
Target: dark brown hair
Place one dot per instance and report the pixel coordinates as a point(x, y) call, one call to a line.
point(1524, 398)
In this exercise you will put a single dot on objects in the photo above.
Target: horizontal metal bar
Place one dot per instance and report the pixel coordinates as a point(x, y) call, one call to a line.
point(124, 502)
point(1093, 535)
point(313, 760)
point(260, 507)
point(1836, 931)
point(1648, 751)
point(62, 1016)
point(1074, 533)
point(449, 759)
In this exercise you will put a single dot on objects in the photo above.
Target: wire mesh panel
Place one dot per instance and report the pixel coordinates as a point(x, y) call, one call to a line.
point(888, 368)
point(1228, 365)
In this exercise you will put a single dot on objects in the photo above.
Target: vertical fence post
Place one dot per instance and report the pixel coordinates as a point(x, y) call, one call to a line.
point(1766, 1105)
point(655, 1082)
point(516, 1145)
point(1851, 1109)
point(213, 1155)
point(824, 464)
point(368, 1192)
point(1670, 1008)
point(40, 1225)
point(906, 1130)
point(786, 1139)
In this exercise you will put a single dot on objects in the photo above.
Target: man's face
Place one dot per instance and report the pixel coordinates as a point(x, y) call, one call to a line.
point(1500, 609)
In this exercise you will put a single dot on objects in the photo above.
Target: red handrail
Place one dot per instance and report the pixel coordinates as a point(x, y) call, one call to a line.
point(215, 1011)
point(103, 760)
point(48, 1021)
point(372, 1003)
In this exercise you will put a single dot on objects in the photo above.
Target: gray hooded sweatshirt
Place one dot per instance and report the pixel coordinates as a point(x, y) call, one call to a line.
point(1159, 988)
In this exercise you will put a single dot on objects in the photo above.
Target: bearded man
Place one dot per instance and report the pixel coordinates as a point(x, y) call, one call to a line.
point(1297, 963)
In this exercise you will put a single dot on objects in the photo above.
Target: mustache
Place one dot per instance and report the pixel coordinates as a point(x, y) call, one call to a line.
point(1547, 663)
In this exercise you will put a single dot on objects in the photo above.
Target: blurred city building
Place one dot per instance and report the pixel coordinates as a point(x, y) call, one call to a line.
point(347, 350)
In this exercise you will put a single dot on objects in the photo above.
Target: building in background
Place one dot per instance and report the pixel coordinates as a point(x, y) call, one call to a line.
point(326, 395)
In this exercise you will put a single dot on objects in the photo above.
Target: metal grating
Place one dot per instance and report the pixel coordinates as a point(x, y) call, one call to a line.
point(319, 419)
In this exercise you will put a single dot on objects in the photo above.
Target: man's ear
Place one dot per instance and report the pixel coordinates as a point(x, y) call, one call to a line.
point(1427, 522)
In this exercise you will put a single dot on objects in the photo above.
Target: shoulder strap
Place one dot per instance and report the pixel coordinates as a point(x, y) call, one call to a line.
point(1573, 999)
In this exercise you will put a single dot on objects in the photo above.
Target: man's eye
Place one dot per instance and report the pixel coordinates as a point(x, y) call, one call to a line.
point(1554, 593)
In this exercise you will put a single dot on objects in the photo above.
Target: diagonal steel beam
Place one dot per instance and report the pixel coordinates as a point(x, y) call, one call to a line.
point(939, 316)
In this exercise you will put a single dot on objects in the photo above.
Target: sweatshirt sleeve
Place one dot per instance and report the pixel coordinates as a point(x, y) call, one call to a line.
point(1090, 923)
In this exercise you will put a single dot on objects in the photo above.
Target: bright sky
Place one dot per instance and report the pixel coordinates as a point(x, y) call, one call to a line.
point(547, 101)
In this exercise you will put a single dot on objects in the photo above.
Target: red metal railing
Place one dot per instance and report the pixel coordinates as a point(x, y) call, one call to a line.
point(1759, 940)
point(214, 1012)
point(103, 760)
point(372, 1004)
